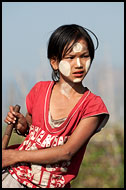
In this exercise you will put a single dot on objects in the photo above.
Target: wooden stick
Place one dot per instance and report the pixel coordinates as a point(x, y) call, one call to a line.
point(8, 131)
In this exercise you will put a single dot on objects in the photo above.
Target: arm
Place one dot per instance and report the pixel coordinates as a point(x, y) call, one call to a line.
point(80, 136)
point(8, 131)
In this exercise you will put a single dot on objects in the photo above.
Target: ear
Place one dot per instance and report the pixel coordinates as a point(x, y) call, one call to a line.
point(54, 63)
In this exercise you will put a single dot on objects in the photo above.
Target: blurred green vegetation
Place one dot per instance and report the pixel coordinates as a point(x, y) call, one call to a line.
point(15, 138)
point(103, 162)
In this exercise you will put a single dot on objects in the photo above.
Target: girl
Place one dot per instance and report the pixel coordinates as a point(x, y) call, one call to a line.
point(62, 117)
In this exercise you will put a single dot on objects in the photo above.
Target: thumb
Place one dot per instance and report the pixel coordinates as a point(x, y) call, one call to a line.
point(18, 115)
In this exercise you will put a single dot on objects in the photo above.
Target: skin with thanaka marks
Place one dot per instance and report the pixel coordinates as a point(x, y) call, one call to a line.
point(65, 90)
point(65, 69)
point(88, 62)
point(77, 80)
point(64, 66)
point(77, 47)
point(78, 62)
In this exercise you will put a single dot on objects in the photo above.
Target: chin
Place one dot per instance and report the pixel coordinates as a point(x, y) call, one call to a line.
point(77, 80)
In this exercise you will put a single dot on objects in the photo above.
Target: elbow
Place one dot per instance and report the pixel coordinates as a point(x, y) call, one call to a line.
point(67, 155)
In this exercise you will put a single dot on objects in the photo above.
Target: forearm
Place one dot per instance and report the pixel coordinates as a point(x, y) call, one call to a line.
point(44, 156)
point(80, 136)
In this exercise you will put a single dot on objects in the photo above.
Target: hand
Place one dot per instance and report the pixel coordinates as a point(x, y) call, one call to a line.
point(18, 119)
point(8, 157)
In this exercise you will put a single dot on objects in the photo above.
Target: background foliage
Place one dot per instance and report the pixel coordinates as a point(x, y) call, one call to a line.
point(103, 163)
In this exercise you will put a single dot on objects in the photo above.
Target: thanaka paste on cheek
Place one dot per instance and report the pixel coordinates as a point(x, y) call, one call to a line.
point(87, 66)
point(77, 47)
point(88, 62)
point(64, 68)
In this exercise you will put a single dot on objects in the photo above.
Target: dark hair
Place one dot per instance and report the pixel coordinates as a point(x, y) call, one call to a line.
point(62, 37)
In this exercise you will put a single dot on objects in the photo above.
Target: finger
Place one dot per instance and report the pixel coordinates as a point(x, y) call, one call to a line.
point(6, 121)
point(11, 109)
point(10, 120)
point(18, 115)
point(11, 116)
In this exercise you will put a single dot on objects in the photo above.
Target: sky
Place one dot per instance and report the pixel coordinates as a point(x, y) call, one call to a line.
point(27, 26)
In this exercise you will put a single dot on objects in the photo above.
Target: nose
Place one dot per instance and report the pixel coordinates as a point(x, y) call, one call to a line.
point(78, 64)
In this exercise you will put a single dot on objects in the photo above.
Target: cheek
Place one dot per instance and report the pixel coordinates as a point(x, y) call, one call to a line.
point(87, 65)
point(64, 68)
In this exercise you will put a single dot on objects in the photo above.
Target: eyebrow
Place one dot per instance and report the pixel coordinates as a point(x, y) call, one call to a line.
point(71, 54)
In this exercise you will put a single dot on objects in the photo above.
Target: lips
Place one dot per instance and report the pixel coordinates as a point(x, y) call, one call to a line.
point(78, 73)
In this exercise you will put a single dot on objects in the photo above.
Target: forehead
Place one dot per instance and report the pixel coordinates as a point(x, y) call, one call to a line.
point(74, 47)
point(80, 45)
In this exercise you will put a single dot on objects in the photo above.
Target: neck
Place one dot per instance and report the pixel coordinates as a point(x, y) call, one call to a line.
point(68, 88)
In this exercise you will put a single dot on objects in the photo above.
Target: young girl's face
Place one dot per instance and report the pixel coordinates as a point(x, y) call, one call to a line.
point(76, 63)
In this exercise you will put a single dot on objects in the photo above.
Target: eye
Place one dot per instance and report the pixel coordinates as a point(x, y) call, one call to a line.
point(70, 57)
point(84, 55)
